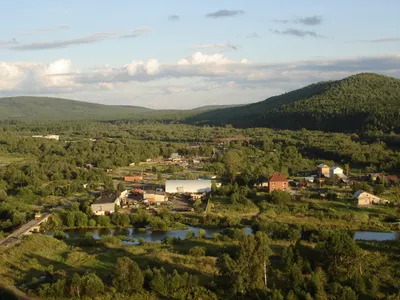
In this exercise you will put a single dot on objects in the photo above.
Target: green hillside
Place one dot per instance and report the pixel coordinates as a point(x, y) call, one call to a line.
point(42, 108)
point(360, 102)
point(45, 108)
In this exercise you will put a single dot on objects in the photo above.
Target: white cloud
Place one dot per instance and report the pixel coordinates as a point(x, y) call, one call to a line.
point(198, 73)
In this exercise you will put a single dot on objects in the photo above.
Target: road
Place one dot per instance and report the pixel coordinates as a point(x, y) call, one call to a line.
point(24, 229)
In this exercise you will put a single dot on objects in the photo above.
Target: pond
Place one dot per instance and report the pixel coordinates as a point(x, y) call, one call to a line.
point(158, 236)
point(376, 236)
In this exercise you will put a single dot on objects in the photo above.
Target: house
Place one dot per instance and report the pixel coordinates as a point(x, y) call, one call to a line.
point(335, 170)
point(49, 137)
point(133, 178)
point(366, 199)
point(392, 179)
point(188, 186)
point(278, 182)
point(105, 205)
point(132, 164)
point(175, 156)
point(343, 178)
point(323, 170)
point(309, 179)
point(155, 197)
point(261, 182)
point(374, 176)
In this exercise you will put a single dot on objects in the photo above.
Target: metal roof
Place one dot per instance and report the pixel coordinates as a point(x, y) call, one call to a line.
point(188, 186)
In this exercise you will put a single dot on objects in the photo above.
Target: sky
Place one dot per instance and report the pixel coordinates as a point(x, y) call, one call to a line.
point(184, 54)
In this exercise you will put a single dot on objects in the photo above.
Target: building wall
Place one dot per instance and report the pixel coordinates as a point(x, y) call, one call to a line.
point(278, 185)
point(336, 171)
point(188, 186)
point(365, 199)
point(154, 197)
point(102, 208)
point(133, 178)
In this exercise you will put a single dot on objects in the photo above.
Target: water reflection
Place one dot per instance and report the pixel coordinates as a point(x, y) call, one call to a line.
point(132, 235)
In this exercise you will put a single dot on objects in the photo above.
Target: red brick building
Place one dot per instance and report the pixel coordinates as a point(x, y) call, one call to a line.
point(278, 182)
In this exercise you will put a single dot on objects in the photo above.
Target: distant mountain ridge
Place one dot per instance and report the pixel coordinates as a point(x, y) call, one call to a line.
point(36, 108)
point(48, 108)
point(357, 103)
point(360, 102)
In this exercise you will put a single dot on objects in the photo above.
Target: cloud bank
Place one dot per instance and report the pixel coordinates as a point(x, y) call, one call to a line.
point(218, 70)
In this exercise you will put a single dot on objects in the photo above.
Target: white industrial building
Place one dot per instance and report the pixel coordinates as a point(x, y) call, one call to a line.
point(188, 186)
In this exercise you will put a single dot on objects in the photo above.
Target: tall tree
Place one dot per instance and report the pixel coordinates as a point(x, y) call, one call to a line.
point(127, 276)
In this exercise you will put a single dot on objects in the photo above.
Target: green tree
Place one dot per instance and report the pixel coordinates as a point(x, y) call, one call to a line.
point(120, 187)
point(81, 219)
point(280, 197)
point(249, 272)
point(70, 219)
point(75, 286)
point(104, 221)
point(341, 252)
point(92, 285)
point(233, 161)
point(127, 278)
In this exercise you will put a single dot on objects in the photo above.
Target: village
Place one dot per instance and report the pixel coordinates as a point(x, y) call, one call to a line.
point(143, 186)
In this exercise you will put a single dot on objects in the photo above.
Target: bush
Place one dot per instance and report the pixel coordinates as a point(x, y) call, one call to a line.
point(280, 197)
point(104, 221)
point(92, 222)
point(111, 240)
point(190, 235)
point(197, 251)
point(60, 235)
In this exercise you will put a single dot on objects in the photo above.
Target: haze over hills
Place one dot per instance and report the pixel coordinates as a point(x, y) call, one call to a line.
point(361, 102)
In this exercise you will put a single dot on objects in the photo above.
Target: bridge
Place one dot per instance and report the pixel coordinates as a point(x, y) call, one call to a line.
point(26, 229)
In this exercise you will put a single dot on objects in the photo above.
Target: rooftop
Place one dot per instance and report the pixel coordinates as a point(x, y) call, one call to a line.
point(278, 177)
point(106, 198)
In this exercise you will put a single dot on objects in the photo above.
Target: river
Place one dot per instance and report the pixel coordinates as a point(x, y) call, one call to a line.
point(158, 236)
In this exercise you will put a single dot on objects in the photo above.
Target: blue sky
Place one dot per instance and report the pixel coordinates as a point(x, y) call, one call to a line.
point(127, 52)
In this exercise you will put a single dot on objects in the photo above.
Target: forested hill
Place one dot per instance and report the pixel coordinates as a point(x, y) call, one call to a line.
point(41, 108)
point(46, 108)
point(361, 102)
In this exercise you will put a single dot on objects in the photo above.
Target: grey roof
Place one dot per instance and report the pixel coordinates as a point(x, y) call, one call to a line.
point(106, 198)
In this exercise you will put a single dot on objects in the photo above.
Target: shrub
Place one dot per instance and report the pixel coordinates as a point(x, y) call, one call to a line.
point(108, 239)
point(103, 221)
point(280, 197)
point(60, 235)
point(92, 222)
point(197, 251)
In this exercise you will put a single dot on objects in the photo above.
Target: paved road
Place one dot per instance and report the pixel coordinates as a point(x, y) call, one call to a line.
point(14, 236)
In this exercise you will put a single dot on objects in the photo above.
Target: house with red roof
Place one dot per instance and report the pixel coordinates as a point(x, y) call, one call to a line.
point(278, 182)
